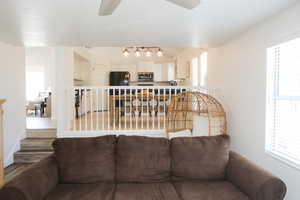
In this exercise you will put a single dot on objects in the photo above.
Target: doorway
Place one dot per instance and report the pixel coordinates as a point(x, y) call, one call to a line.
point(39, 87)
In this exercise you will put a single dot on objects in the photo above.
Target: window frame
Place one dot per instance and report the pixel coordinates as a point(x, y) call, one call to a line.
point(272, 95)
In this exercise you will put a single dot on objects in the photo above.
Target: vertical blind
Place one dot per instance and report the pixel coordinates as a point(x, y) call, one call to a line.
point(283, 101)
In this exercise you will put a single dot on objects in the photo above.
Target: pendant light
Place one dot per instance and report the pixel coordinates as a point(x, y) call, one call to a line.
point(138, 53)
point(126, 53)
point(148, 53)
point(159, 53)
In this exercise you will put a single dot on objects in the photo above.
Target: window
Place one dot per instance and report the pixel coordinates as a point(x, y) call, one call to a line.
point(283, 102)
point(195, 71)
point(199, 70)
point(35, 83)
point(171, 71)
point(203, 69)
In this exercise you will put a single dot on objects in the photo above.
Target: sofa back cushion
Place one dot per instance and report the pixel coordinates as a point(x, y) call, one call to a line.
point(85, 160)
point(143, 159)
point(199, 158)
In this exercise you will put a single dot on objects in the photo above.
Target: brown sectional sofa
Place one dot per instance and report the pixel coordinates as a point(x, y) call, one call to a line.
point(143, 168)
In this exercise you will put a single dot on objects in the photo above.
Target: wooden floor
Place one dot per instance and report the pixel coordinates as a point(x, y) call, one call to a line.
point(14, 170)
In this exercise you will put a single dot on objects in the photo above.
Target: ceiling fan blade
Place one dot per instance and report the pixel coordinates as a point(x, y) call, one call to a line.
point(188, 4)
point(108, 6)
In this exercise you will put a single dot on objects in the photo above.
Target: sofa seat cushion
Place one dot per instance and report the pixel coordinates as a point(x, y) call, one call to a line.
point(85, 160)
point(209, 191)
point(143, 159)
point(200, 158)
point(146, 191)
point(94, 191)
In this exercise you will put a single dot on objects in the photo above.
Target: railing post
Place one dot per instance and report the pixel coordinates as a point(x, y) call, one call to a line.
point(1, 145)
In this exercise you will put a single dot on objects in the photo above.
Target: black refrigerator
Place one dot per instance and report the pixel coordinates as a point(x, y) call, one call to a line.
point(119, 78)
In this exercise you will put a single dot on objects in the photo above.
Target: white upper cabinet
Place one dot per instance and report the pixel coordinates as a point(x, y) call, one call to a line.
point(183, 62)
point(182, 69)
point(82, 69)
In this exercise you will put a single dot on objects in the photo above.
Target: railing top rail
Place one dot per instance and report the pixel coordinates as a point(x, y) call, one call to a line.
point(146, 87)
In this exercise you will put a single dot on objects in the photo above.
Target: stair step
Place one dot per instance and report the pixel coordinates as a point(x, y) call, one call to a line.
point(41, 133)
point(34, 144)
point(14, 170)
point(30, 156)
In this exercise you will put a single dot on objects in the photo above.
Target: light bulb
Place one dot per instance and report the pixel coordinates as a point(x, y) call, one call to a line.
point(159, 53)
point(126, 53)
point(148, 53)
point(138, 53)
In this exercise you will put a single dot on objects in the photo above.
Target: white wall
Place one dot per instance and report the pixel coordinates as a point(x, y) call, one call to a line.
point(12, 88)
point(41, 59)
point(64, 66)
point(240, 68)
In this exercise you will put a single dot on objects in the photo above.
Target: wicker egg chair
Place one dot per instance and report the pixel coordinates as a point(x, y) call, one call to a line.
point(189, 105)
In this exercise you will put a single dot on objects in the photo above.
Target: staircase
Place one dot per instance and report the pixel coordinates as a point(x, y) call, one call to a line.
point(36, 146)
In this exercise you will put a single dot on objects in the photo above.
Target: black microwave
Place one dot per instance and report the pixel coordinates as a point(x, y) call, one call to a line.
point(145, 76)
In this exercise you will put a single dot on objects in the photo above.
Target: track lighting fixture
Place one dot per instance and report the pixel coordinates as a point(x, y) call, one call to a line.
point(143, 51)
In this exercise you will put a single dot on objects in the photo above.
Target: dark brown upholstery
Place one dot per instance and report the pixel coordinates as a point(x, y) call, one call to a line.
point(199, 158)
point(149, 191)
point(85, 160)
point(253, 180)
point(143, 159)
point(202, 169)
point(92, 191)
point(208, 190)
point(34, 184)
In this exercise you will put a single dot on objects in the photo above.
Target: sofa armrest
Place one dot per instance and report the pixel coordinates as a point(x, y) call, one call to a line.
point(254, 181)
point(33, 184)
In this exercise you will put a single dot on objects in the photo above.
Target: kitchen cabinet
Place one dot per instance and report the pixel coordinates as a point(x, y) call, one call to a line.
point(183, 62)
point(82, 69)
point(182, 69)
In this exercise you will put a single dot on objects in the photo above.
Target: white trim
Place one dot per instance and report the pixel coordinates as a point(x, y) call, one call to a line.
point(272, 97)
point(284, 38)
point(283, 159)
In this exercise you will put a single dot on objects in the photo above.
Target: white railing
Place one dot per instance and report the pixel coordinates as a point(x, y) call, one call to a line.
point(122, 108)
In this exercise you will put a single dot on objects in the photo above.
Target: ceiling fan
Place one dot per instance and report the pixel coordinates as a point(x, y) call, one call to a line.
point(108, 6)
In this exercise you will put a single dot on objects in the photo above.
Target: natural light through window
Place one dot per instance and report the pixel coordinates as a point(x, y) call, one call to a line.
point(203, 69)
point(283, 102)
point(195, 70)
point(35, 83)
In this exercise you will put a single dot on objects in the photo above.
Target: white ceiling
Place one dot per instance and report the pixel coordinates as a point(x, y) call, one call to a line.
point(135, 22)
